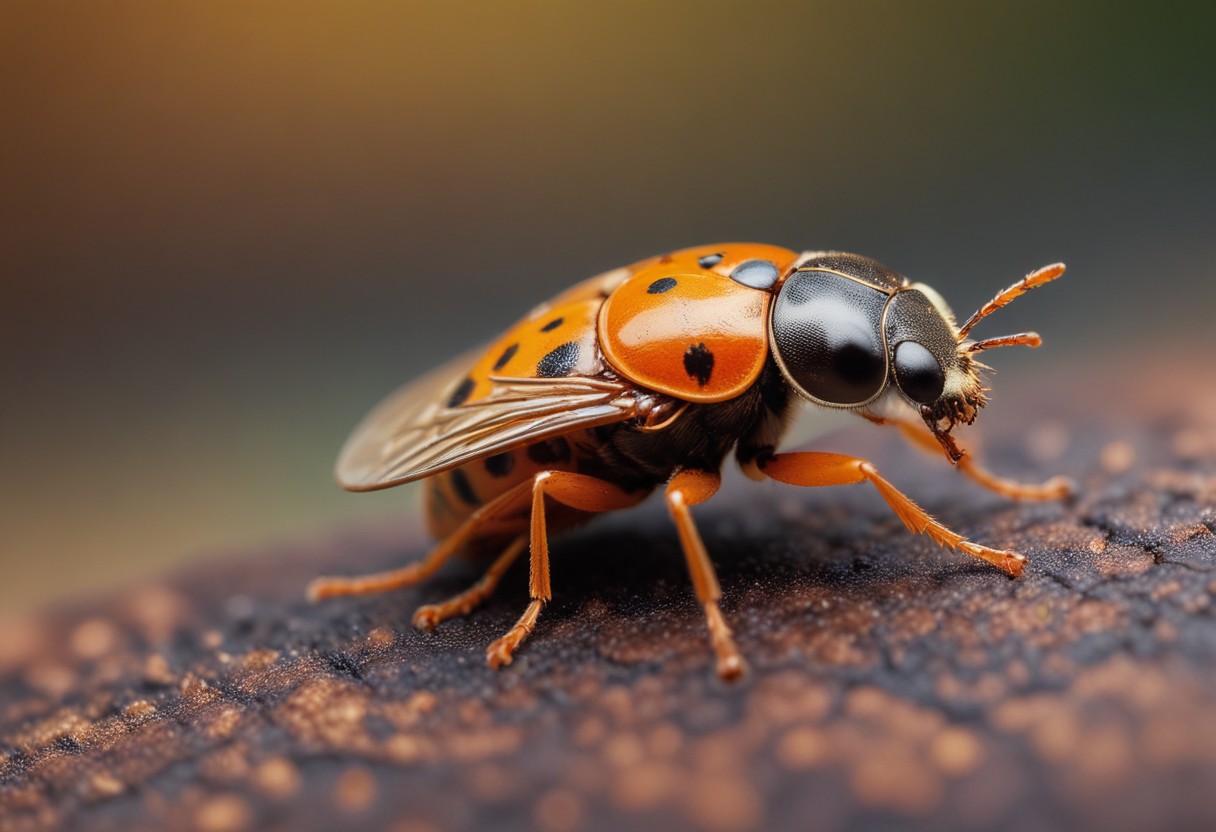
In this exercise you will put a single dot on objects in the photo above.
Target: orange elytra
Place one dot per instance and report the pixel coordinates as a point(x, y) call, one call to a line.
point(682, 326)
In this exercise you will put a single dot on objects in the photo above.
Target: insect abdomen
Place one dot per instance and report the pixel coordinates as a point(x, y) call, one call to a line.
point(453, 495)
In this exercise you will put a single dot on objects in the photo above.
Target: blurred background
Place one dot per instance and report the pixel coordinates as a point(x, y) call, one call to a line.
point(226, 229)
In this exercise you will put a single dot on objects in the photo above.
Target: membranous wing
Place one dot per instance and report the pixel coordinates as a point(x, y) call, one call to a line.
point(415, 432)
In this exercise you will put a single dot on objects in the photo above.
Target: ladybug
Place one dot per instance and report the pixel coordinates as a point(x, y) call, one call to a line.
point(647, 376)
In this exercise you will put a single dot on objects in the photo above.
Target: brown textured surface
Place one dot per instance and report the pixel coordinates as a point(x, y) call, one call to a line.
point(892, 683)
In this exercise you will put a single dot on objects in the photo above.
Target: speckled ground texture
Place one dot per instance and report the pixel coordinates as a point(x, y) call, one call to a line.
point(892, 684)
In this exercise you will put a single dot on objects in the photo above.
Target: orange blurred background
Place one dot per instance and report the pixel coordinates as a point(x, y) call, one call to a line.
point(228, 228)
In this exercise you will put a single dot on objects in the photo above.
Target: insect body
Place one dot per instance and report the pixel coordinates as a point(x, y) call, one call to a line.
point(649, 376)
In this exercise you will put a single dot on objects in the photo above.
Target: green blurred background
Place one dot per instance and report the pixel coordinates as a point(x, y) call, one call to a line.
point(227, 228)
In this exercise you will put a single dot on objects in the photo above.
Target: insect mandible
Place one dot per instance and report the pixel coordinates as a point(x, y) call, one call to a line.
point(647, 376)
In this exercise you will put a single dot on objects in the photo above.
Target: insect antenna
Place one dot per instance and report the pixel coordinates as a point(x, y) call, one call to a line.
point(1031, 281)
point(1022, 339)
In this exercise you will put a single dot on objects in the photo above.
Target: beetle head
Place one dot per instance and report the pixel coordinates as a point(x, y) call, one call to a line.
point(961, 393)
point(849, 333)
point(932, 374)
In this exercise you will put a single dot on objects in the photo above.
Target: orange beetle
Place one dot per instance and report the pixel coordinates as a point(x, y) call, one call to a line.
point(649, 376)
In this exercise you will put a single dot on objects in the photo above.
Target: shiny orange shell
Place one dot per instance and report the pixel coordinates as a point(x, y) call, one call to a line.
point(680, 325)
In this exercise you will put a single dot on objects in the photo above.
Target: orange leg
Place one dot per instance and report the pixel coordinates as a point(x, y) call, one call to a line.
point(836, 469)
point(688, 488)
point(414, 573)
point(429, 616)
point(578, 491)
point(1056, 488)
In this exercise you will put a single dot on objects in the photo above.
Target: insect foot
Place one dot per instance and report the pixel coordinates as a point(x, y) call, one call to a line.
point(502, 651)
point(731, 668)
point(1011, 563)
point(426, 617)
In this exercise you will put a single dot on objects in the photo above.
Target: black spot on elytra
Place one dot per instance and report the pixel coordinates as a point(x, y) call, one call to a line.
point(560, 362)
point(500, 465)
point(709, 261)
point(464, 488)
point(462, 392)
point(549, 451)
point(699, 363)
point(552, 325)
point(663, 284)
point(506, 356)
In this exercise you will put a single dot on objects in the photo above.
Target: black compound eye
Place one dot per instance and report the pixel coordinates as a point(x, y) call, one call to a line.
point(918, 373)
point(826, 329)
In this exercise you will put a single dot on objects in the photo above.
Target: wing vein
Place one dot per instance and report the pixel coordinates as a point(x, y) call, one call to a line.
point(411, 435)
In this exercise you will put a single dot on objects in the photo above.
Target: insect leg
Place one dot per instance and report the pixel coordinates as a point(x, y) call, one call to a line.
point(414, 573)
point(688, 488)
point(836, 469)
point(578, 491)
point(429, 616)
point(1056, 488)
